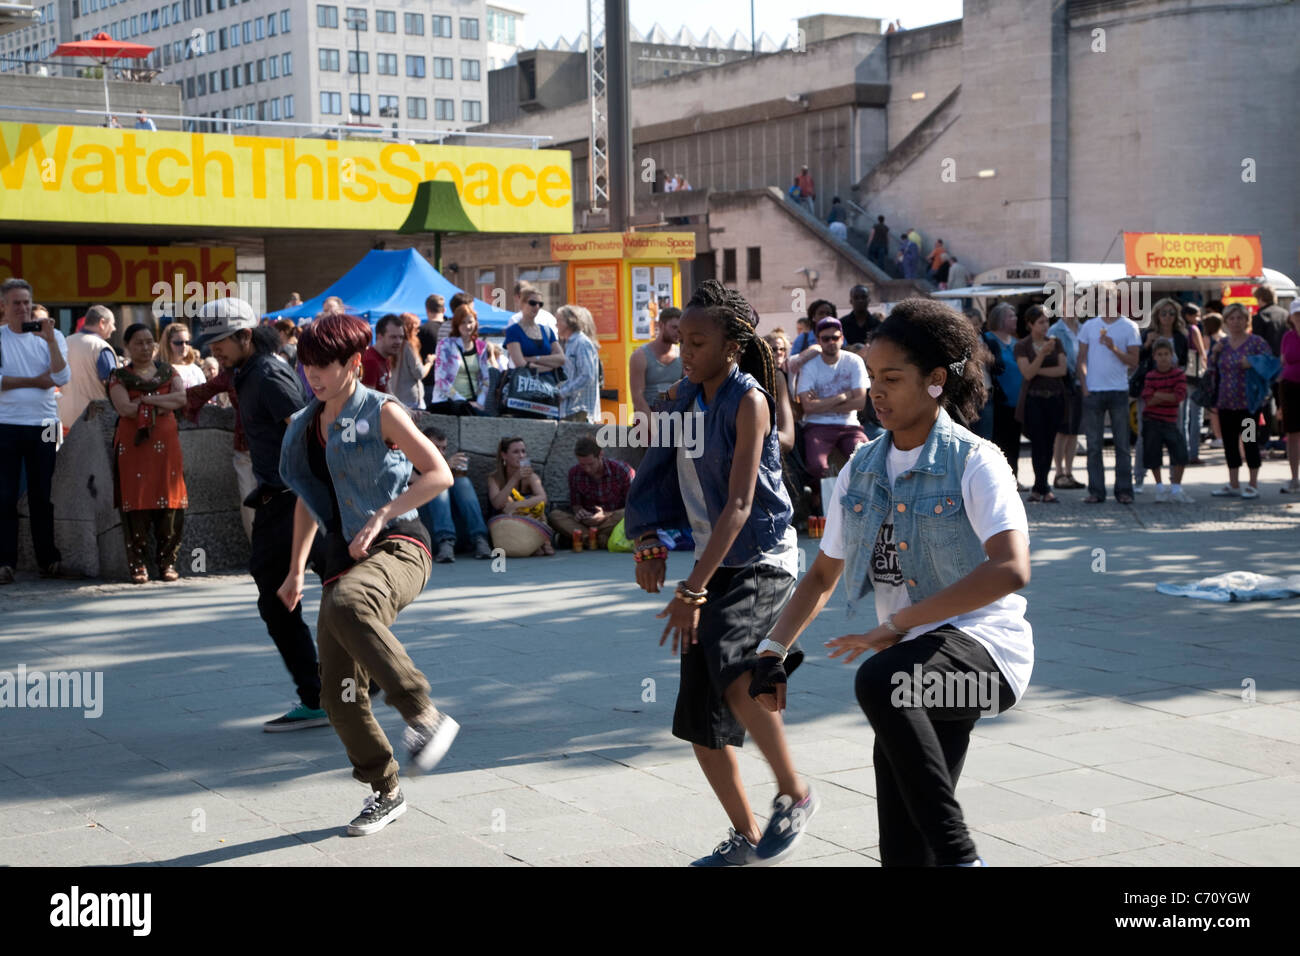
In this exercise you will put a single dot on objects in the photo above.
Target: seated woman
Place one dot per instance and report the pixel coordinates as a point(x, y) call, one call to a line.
point(519, 504)
point(462, 368)
point(149, 478)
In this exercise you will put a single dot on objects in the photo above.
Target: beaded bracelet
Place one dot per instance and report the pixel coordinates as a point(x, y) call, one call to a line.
point(650, 554)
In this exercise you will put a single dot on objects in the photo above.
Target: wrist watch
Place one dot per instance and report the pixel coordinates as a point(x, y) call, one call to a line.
point(767, 644)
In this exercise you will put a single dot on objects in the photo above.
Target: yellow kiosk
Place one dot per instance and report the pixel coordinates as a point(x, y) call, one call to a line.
point(624, 279)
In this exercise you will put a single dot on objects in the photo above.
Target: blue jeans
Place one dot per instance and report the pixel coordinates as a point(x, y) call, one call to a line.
point(455, 515)
point(1096, 406)
point(1192, 416)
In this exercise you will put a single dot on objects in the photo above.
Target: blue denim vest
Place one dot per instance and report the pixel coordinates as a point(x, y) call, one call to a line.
point(936, 544)
point(655, 498)
point(367, 473)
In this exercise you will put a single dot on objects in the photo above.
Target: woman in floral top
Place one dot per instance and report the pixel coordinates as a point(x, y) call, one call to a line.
point(149, 480)
point(461, 369)
point(1230, 360)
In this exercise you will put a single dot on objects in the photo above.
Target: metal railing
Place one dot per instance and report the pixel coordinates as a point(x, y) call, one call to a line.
point(339, 130)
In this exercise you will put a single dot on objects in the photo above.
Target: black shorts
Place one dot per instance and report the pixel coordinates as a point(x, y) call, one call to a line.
point(1072, 420)
point(743, 606)
point(1289, 401)
point(1159, 435)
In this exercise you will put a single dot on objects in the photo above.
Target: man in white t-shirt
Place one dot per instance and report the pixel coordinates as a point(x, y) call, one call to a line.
point(522, 291)
point(1108, 351)
point(831, 387)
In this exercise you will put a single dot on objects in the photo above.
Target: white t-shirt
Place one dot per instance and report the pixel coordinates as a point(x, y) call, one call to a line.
point(1106, 373)
point(848, 372)
point(543, 318)
point(191, 375)
point(784, 556)
point(989, 493)
point(25, 355)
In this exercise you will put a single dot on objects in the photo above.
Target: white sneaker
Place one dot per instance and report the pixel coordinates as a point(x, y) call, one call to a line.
point(1248, 492)
point(1162, 495)
point(1216, 443)
point(1181, 497)
point(1137, 489)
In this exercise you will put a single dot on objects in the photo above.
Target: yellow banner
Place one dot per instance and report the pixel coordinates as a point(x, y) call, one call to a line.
point(69, 274)
point(624, 245)
point(91, 174)
point(1201, 256)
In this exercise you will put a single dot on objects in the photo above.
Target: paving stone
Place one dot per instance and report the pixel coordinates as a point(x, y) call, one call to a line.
point(1277, 845)
point(1070, 836)
point(1082, 789)
point(1180, 772)
point(1183, 818)
point(1273, 798)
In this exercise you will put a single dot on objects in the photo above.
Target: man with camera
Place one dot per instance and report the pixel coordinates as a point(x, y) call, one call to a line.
point(33, 360)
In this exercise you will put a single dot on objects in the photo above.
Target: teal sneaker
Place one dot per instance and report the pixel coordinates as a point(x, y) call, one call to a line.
point(301, 717)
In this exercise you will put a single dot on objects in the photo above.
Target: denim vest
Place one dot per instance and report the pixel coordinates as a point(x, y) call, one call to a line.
point(936, 544)
point(367, 474)
point(654, 499)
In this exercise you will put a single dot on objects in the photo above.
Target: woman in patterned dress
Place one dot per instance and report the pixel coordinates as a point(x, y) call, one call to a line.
point(149, 485)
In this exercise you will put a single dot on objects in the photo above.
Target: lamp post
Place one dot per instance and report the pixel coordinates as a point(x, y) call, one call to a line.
point(355, 23)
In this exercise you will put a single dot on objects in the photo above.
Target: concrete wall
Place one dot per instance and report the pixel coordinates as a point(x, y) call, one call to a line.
point(88, 528)
point(929, 61)
point(69, 93)
point(1165, 153)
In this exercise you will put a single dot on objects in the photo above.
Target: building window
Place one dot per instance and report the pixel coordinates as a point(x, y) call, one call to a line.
point(274, 67)
point(261, 109)
point(327, 16)
point(359, 104)
point(441, 26)
point(270, 25)
point(469, 70)
point(413, 24)
point(329, 60)
point(234, 36)
point(286, 64)
point(247, 31)
point(261, 71)
point(471, 111)
point(190, 87)
point(501, 27)
point(386, 64)
point(259, 29)
point(288, 106)
point(444, 109)
point(357, 19)
point(442, 68)
point(728, 265)
point(248, 73)
point(754, 264)
point(415, 66)
point(469, 28)
point(388, 105)
point(284, 21)
point(275, 109)
point(417, 107)
point(331, 103)
point(385, 21)
point(235, 75)
point(203, 84)
point(364, 57)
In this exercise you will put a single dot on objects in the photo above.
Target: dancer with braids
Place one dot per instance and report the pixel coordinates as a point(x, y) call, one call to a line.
point(348, 456)
point(928, 518)
point(746, 559)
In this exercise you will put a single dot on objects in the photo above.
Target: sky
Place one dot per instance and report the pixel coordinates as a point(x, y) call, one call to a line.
point(548, 19)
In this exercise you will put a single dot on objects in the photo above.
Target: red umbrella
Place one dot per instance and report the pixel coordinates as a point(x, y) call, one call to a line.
point(105, 49)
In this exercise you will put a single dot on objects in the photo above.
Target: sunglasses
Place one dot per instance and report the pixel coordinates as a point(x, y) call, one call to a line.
point(828, 338)
point(536, 302)
point(180, 341)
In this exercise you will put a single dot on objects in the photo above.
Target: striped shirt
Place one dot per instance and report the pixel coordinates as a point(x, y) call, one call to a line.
point(1174, 380)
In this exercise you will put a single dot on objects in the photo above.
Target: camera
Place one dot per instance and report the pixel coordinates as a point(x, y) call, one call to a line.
point(33, 326)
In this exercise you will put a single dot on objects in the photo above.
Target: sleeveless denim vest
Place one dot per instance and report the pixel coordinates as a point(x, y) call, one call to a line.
point(367, 473)
point(936, 544)
point(655, 498)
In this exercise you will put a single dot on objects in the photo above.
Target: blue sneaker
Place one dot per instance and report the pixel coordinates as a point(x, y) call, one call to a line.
point(300, 718)
point(978, 861)
point(785, 827)
point(735, 850)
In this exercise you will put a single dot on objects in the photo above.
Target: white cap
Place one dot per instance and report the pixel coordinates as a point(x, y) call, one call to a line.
point(222, 318)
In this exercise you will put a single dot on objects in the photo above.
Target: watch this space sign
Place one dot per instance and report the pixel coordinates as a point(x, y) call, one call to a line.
point(92, 174)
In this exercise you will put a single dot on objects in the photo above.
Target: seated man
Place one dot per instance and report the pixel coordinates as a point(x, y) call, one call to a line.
point(832, 387)
point(454, 518)
point(597, 493)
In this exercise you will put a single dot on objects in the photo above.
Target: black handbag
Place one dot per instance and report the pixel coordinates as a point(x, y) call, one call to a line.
point(528, 393)
point(1206, 393)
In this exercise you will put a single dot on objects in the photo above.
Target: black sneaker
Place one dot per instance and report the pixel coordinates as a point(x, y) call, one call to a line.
point(6, 575)
point(446, 553)
point(785, 827)
point(482, 548)
point(378, 812)
point(429, 743)
point(301, 717)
